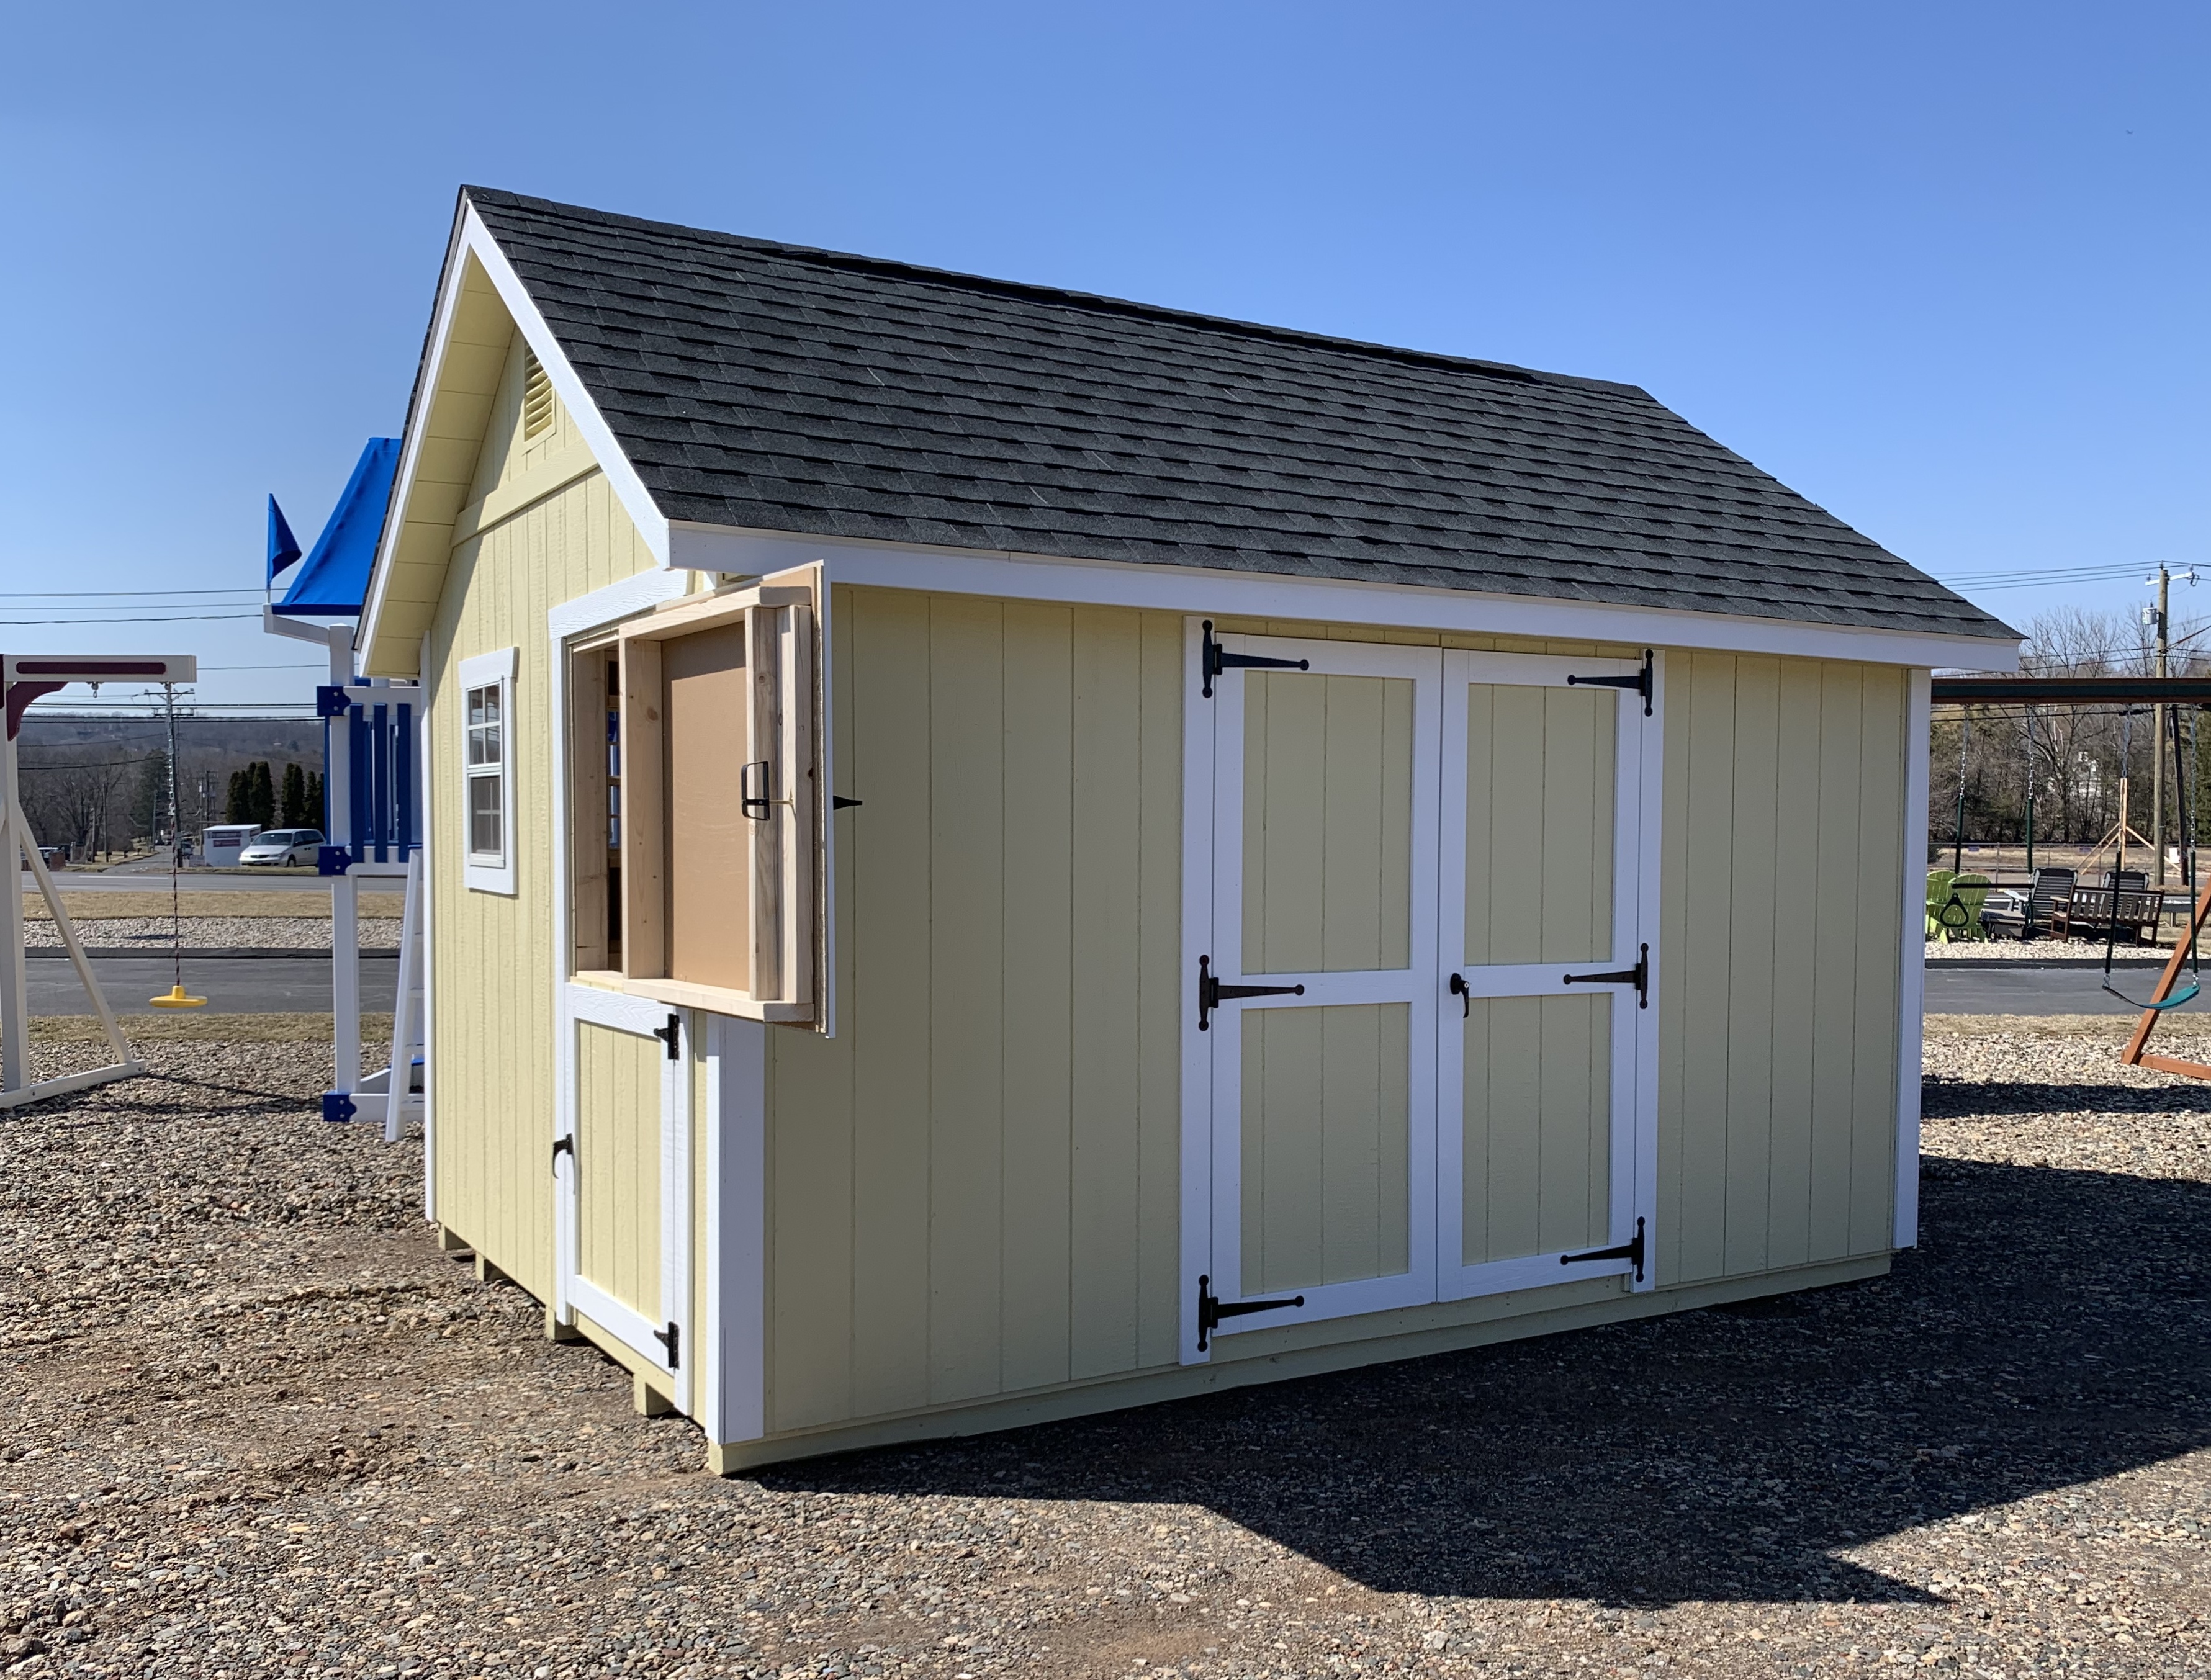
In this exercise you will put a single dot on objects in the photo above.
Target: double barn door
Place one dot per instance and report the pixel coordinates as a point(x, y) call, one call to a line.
point(1421, 1052)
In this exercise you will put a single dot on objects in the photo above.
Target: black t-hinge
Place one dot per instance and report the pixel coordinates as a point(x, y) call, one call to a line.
point(1214, 659)
point(1211, 1309)
point(1638, 977)
point(672, 1339)
point(1631, 1250)
point(1211, 992)
point(1643, 682)
point(671, 1035)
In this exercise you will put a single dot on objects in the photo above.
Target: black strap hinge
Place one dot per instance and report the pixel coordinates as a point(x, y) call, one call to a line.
point(1211, 1309)
point(671, 1035)
point(1214, 659)
point(1631, 1251)
point(1644, 682)
point(839, 802)
point(563, 1146)
point(1638, 977)
point(1211, 992)
point(672, 1339)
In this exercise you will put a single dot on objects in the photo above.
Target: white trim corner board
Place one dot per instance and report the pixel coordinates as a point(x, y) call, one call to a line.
point(1911, 984)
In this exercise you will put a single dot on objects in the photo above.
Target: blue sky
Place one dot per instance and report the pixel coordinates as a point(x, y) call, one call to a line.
point(1942, 268)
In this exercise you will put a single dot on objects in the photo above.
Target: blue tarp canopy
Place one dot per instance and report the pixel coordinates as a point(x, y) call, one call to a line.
point(334, 581)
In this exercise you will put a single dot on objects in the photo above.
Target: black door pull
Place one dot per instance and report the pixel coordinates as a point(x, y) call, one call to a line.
point(1464, 993)
point(563, 1146)
point(1211, 992)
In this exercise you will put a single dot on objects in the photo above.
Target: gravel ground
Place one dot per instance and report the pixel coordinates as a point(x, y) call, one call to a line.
point(2041, 951)
point(260, 1426)
point(264, 933)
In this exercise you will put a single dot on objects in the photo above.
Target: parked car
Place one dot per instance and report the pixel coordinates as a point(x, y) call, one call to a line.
point(282, 847)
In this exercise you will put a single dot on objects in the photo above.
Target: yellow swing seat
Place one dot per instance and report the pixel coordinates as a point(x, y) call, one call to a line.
point(175, 998)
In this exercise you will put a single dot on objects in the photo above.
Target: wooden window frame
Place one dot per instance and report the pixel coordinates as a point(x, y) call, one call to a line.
point(781, 623)
point(585, 694)
point(482, 871)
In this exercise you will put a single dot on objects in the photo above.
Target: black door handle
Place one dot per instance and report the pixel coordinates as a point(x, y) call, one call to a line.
point(1460, 991)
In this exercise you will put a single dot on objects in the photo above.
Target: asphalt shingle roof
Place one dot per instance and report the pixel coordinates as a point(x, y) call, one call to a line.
point(775, 388)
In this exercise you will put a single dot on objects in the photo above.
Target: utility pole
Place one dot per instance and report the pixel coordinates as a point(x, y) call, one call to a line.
point(2160, 617)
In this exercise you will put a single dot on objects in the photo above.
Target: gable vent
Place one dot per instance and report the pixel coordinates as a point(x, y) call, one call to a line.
point(536, 396)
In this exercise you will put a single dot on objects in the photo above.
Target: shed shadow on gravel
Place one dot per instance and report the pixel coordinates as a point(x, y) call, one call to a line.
point(2052, 1330)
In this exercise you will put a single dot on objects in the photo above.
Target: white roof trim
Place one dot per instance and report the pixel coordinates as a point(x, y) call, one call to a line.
point(471, 237)
point(1321, 600)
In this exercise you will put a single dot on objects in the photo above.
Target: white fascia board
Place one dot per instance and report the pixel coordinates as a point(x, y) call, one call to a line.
point(1319, 599)
point(471, 237)
point(410, 446)
point(628, 488)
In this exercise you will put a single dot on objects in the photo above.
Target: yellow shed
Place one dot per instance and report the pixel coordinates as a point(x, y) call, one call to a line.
point(995, 853)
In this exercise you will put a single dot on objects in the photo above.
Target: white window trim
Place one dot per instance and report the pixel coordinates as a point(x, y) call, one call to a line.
point(482, 671)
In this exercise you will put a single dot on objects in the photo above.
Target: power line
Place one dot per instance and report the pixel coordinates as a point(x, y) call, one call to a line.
point(175, 617)
point(95, 595)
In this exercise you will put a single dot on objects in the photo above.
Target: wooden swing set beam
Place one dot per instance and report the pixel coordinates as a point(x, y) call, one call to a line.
point(2137, 1053)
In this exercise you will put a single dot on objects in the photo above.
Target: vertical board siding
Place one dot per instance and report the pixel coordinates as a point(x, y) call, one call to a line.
point(1777, 995)
point(1537, 1114)
point(618, 1164)
point(496, 1061)
point(1325, 1132)
point(973, 1184)
point(1327, 823)
point(1540, 798)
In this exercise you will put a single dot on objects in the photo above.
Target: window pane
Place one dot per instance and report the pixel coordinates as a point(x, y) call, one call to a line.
point(487, 836)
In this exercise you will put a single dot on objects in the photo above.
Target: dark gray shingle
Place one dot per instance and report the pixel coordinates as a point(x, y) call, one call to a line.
point(776, 388)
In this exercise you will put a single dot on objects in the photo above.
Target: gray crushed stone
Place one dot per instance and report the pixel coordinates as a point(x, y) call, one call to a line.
point(271, 933)
point(258, 1425)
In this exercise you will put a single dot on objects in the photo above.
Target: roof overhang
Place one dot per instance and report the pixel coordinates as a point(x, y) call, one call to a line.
point(1319, 599)
point(481, 303)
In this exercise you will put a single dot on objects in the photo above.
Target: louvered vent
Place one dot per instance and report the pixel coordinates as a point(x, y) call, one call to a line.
point(536, 396)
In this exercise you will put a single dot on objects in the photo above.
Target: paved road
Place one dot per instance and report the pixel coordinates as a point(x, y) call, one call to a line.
point(262, 986)
point(2012, 989)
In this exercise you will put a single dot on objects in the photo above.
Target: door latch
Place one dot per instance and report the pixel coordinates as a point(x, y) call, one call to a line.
point(1644, 682)
point(1211, 992)
point(1211, 1309)
point(671, 1035)
point(1214, 659)
point(563, 1146)
point(758, 807)
point(1464, 993)
point(1638, 977)
point(1631, 1251)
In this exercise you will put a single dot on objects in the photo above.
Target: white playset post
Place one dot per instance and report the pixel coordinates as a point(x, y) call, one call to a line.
point(24, 678)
